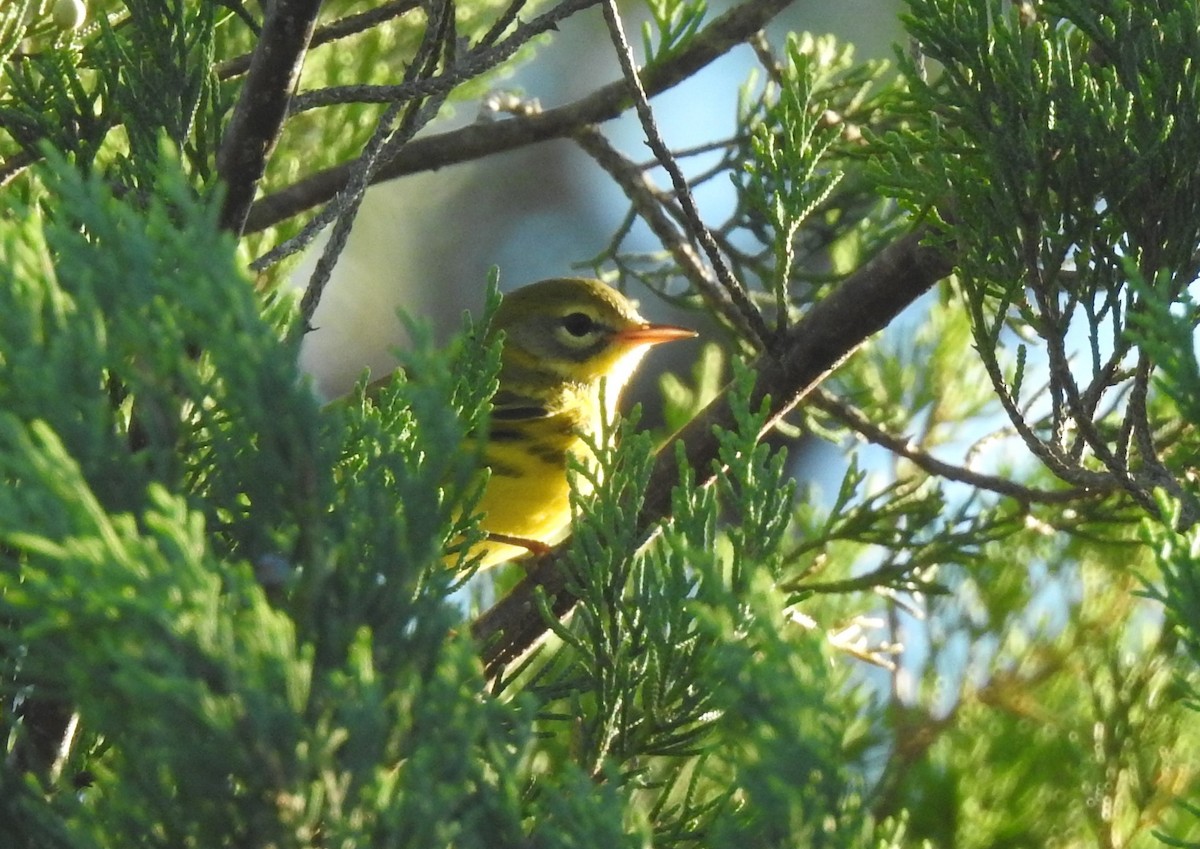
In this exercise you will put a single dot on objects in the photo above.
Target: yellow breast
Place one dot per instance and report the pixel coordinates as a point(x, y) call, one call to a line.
point(569, 347)
point(528, 496)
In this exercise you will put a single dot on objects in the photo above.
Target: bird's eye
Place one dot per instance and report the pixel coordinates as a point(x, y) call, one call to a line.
point(578, 324)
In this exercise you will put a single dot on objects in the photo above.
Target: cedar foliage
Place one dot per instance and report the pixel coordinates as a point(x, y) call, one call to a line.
point(224, 614)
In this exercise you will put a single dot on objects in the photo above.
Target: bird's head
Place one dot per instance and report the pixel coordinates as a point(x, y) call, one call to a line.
point(578, 329)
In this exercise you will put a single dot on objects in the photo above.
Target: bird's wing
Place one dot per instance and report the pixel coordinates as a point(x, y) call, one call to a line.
point(514, 407)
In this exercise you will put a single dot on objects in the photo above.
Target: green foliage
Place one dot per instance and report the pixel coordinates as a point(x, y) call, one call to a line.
point(672, 24)
point(226, 613)
point(787, 180)
point(78, 355)
point(149, 76)
point(157, 77)
point(1076, 721)
point(1047, 108)
point(1178, 556)
point(795, 159)
point(167, 474)
point(1043, 151)
point(792, 162)
point(678, 680)
point(782, 756)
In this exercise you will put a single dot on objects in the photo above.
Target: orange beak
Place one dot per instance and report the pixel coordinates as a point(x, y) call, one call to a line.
point(653, 334)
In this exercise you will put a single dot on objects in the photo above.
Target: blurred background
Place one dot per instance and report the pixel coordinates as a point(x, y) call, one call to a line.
point(425, 244)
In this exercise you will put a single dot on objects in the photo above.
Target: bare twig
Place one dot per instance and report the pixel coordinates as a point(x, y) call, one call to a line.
point(339, 29)
point(437, 45)
point(503, 22)
point(262, 106)
point(482, 139)
point(762, 50)
point(648, 204)
point(751, 318)
point(1154, 473)
point(477, 62)
point(797, 362)
point(861, 424)
point(14, 165)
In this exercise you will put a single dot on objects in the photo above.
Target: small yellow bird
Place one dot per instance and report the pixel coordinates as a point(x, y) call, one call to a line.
point(564, 339)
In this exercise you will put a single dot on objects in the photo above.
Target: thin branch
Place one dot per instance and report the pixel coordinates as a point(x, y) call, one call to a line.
point(437, 45)
point(766, 58)
point(339, 29)
point(14, 165)
point(1153, 472)
point(1048, 452)
point(503, 22)
point(697, 229)
point(798, 361)
point(478, 62)
point(646, 201)
point(889, 575)
point(726, 146)
point(485, 138)
point(862, 425)
point(262, 105)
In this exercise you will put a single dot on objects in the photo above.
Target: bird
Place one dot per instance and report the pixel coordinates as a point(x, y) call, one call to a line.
point(569, 346)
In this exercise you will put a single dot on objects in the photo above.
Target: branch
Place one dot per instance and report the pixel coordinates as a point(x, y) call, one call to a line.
point(483, 139)
point(861, 424)
point(794, 365)
point(263, 105)
point(12, 167)
point(341, 28)
point(651, 206)
point(751, 317)
point(437, 46)
point(478, 62)
point(235, 67)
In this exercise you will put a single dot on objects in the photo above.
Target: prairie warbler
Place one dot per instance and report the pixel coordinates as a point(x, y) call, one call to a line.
point(568, 344)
